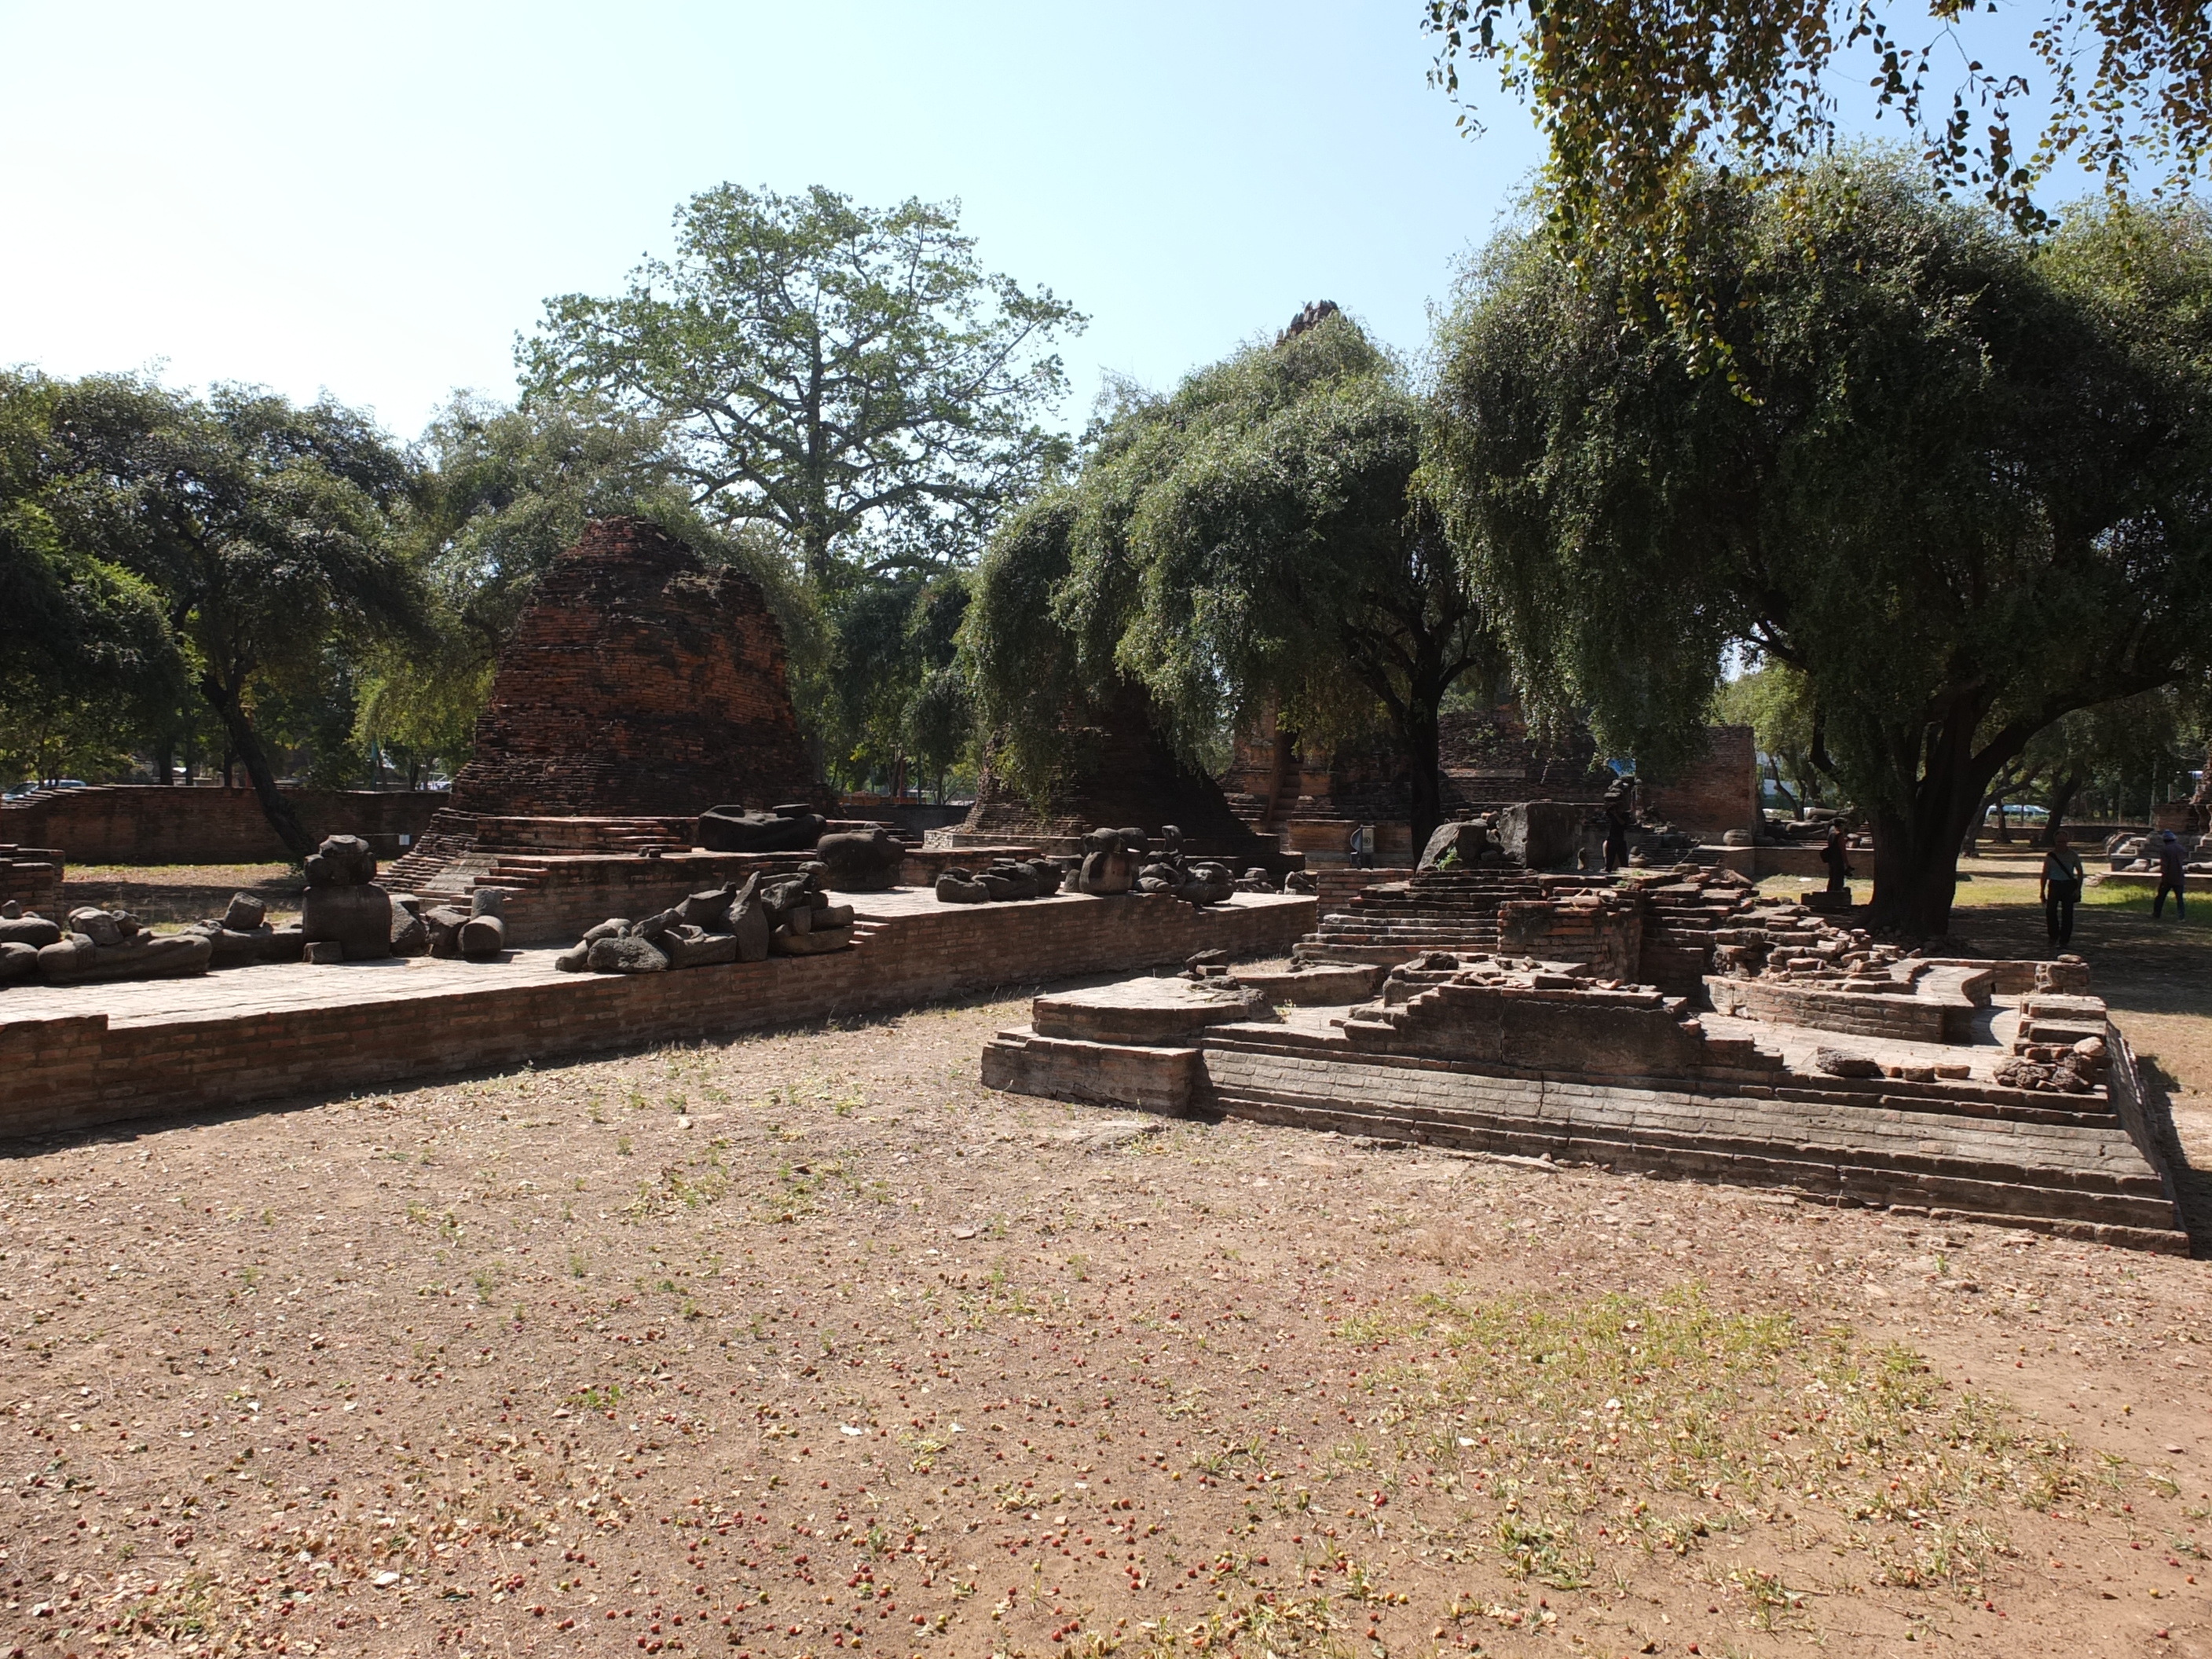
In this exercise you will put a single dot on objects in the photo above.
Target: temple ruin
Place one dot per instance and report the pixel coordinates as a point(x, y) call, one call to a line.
point(639, 683)
point(1666, 1021)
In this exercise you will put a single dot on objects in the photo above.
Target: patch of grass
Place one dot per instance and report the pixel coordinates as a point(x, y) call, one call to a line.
point(1597, 1419)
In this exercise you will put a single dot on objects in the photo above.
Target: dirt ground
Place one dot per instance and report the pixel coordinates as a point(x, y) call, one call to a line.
point(808, 1345)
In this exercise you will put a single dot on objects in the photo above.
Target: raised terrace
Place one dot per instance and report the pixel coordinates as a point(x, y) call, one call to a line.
point(1789, 1052)
point(73, 1056)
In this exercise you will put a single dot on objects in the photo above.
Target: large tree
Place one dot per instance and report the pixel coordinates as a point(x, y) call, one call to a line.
point(850, 376)
point(1254, 537)
point(1962, 482)
point(264, 529)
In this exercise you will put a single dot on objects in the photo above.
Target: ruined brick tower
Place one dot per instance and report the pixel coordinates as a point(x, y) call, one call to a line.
point(639, 682)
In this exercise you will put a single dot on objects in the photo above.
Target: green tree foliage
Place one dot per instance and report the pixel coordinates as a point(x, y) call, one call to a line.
point(1636, 97)
point(1962, 486)
point(849, 376)
point(264, 528)
point(86, 656)
point(1254, 537)
point(843, 387)
point(1774, 700)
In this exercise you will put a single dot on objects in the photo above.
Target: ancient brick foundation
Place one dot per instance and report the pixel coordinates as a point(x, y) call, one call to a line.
point(31, 877)
point(376, 1025)
point(149, 824)
point(639, 682)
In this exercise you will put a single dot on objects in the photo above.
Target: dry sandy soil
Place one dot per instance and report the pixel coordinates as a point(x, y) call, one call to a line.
point(807, 1343)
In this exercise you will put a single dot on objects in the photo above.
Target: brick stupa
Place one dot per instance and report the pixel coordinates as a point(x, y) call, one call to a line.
point(640, 682)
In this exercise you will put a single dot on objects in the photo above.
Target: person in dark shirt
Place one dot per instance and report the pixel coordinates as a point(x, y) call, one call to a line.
point(2060, 887)
point(2169, 875)
point(1837, 855)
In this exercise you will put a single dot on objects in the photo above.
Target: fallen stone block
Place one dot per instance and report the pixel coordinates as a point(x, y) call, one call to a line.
point(625, 955)
point(483, 936)
point(33, 930)
point(815, 943)
point(355, 917)
point(695, 948)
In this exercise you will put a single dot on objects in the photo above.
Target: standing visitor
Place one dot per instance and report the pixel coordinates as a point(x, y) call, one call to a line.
point(2169, 876)
point(1357, 847)
point(2060, 886)
point(1616, 829)
point(1837, 856)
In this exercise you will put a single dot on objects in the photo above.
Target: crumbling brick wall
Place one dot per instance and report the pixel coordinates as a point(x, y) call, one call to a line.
point(31, 877)
point(151, 823)
point(638, 683)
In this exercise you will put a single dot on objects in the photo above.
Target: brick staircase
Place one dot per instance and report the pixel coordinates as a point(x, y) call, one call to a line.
point(1452, 910)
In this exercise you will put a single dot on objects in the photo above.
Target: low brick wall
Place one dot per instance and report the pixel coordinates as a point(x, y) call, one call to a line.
point(31, 877)
point(72, 1071)
point(148, 823)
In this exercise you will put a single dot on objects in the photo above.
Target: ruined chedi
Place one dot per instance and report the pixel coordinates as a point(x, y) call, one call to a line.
point(640, 682)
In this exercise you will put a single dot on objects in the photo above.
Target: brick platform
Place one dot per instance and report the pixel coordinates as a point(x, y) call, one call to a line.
point(1537, 1063)
point(71, 1057)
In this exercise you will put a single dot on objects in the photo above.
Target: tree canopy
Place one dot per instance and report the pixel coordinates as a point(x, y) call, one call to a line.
point(1961, 484)
point(1635, 99)
point(1252, 539)
point(848, 375)
point(261, 530)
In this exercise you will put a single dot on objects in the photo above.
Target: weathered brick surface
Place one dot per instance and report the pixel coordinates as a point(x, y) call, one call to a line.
point(31, 877)
point(1716, 793)
point(638, 683)
point(2087, 1178)
point(149, 823)
point(384, 1025)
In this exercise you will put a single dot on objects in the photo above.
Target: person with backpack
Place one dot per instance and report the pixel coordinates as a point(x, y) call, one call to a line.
point(2060, 888)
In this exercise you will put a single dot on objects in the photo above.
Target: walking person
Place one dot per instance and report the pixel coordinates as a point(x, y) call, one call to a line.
point(2169, 876)
point(2060, 887)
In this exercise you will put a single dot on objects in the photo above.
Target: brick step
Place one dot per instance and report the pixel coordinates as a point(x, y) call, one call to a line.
point(2126, 1220)
point(1655, 1121)
point(2051, 1158)
point(1980, 1101)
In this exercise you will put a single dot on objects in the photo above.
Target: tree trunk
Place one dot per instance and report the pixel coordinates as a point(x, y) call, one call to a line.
point(1421, 730)
point(1916, 862)
point(165, 754)
point(246, 743)
point(2062, 802)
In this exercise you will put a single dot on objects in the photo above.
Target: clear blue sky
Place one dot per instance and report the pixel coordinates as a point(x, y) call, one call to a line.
point(375, 199)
